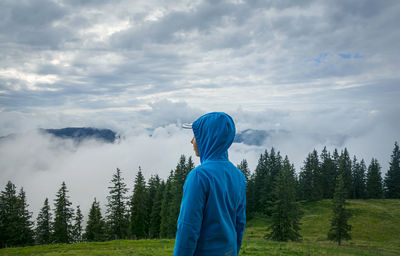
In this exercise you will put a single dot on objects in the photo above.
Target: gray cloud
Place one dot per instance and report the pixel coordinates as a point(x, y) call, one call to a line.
point(32, 23)
point(325, 72)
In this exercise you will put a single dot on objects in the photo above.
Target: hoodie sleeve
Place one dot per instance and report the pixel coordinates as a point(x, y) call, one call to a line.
point(241, 220)
point(191, 214)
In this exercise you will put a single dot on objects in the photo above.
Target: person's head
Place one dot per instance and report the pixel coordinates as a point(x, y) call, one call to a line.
point(213, 135)
point(195, 148)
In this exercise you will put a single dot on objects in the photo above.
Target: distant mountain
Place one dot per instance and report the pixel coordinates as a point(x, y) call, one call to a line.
point(78, 134)
point(8, 137)
point(251, 137)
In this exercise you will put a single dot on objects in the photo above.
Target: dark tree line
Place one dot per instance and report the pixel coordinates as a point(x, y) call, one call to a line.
point(268, 192)
point(318, 178)
point(152, 209)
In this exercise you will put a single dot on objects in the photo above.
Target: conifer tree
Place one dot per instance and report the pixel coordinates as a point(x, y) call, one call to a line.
point(285, 212)
point(166, 228)
point(251, 198)
point(95, 226)
point(318, 192)
point(15, 219)
point(261, 183)
point(392, 177)
point(339, 227)
point(25, 225)
point(178, 180)
point(77, 227)
point(344, 169)
point(9, 218)
point(155, 217)
point(274, 164)
point(189, 166)
point(117, 215)
point(374, 180)
point(328, 172)
point(63, 214)
point(138, 207)
point(335, 159)
point(311, 178)
point(152, 188)
point(244, 168)
point(260, 178)
point(358, 172)
point(43, 224)
point(305, 182)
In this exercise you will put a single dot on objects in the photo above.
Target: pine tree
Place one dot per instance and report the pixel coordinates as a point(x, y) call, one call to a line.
point(25, 225)
point(260, 178)
point(374, 180)
point(339, 228)
point(328, 172)
point(165, 225)
point(251, 198)
point(43, 225)
point(344, 169)
point(155, 217)
point(189, 166)
point(138, 207)
point(95, 227)
point(244, 168)
point(63, 214)
point(358, 172)
point(392, 177)
point(178, 180)
point(77, 227)
point(9, 218)
point(311, 178)
point(285, 212)
point(335, 159)
point(318, 184)
point(117, 215)
point(274, 164)
point(15, 219)
point(152, 188)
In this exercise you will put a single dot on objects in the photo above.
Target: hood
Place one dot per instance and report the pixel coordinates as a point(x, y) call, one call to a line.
point(214, 133)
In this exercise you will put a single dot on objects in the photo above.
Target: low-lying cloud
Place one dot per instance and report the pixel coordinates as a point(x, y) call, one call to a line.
point(40, 162)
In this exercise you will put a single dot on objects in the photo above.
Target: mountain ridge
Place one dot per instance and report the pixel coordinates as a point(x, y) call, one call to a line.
point(250, 137)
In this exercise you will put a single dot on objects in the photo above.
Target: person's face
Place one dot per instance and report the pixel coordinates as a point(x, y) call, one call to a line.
point(195, 148)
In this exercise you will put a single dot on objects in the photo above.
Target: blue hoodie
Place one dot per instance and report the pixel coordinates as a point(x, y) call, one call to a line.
point(212, 216)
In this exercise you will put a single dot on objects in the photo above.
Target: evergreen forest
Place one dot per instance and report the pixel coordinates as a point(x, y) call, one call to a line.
point(274, 189)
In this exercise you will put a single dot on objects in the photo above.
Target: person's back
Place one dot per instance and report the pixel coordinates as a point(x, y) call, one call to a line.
point(212, 216)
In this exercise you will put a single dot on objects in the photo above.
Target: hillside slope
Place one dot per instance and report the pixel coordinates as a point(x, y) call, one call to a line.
point(376, 231)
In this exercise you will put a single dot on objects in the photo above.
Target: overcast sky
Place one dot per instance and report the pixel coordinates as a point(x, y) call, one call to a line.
point(312, 73)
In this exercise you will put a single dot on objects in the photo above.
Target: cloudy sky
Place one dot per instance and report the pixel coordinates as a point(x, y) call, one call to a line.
point(312, 73)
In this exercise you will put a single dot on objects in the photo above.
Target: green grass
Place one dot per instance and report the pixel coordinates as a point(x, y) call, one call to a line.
point(118, 247)
point(376, 231)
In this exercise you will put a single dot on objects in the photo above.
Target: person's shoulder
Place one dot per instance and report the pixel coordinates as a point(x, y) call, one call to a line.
point(197, 176)
point(242, 177)
point(238, 173)
point(198, 171)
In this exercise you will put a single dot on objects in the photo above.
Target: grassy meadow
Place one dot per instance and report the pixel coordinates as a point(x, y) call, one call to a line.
point(375, 231)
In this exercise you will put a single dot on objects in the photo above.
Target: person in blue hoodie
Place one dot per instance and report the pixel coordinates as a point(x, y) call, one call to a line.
point(213, 209)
